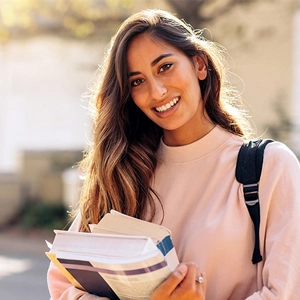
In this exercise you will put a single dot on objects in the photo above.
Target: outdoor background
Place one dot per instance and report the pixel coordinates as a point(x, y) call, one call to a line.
point(49, 52)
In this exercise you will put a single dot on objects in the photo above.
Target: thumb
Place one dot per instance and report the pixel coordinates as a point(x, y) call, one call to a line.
point(168, 286)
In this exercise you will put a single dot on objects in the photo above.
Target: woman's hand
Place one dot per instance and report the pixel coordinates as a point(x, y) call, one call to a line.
point(182, 284)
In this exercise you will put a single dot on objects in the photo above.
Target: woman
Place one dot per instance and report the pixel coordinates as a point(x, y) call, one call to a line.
point(165, 143)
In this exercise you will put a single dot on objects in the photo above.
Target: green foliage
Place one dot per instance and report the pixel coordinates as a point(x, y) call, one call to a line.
point(46, 216)
point(78, 18)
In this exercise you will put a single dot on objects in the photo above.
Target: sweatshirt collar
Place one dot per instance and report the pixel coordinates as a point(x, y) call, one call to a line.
point(196, 150)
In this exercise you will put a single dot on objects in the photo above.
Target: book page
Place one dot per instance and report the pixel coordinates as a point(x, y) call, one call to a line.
point(123, 224)
point(117, 223)
point(101, 244)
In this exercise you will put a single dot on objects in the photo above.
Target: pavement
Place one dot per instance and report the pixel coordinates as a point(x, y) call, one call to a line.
point(23, 263)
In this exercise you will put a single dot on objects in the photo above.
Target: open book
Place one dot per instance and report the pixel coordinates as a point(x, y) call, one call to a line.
point(122, 258)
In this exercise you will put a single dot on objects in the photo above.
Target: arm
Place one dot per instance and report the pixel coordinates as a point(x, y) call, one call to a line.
point(61, 289)
point(278, 275)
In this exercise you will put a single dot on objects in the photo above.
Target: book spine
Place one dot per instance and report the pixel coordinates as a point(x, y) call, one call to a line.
point(64, 271)
point(89, 277)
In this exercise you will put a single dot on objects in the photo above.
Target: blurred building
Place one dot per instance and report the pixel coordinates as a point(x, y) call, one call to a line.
point(45, 81)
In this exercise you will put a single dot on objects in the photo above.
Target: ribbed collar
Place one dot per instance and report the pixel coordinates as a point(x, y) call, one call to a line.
point(196, 150)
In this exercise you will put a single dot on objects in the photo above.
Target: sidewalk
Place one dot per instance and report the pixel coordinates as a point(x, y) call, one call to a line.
point(23, 264)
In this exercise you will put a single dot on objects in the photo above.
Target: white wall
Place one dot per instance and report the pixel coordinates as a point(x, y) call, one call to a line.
point(42, 81)
point(261, 55)
point(296, 82)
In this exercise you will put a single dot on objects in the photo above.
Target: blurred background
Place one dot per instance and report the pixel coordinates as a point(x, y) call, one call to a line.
point(49, 52)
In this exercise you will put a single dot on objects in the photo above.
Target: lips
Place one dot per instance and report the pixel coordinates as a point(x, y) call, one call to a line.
point(167, 106)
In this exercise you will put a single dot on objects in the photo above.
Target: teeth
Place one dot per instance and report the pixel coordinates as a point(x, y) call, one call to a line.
point(168, 105)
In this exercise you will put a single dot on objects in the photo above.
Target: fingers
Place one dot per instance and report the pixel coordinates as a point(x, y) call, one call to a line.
point(190, 286)
point(193, 272)
point(166, 288)
point(182, 284)
point(201, 284)
point(202, 278)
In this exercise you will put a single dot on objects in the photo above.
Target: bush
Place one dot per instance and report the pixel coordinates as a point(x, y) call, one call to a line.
point(41, 215)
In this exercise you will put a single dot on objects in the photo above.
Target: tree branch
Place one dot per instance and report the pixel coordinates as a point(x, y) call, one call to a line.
point(192, 11)
point(225, 9)
point(188, 10)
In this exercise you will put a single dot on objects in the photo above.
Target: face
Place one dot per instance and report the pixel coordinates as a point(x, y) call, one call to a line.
point(165, 86)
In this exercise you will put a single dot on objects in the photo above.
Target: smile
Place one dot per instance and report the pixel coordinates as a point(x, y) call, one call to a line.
point(168, 105)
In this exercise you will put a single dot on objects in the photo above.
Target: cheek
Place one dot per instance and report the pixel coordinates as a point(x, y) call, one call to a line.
point(139, 99)
point(136, 101)
point(141, 105)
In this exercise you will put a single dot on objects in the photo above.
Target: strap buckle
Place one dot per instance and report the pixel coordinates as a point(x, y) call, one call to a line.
point(251, 193)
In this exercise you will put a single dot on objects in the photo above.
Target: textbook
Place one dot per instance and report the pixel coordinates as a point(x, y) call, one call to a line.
point(122, 258)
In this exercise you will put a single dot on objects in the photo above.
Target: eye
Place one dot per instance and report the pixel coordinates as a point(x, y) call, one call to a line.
point(137, 82)
point(165, 67)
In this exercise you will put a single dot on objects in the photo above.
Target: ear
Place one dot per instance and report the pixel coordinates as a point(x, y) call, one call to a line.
point(201, 66)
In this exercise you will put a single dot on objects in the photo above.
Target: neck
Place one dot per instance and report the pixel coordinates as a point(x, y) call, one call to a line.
point(185, 136)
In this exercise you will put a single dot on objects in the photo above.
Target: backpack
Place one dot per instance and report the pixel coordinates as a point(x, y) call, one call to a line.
point(248, 170)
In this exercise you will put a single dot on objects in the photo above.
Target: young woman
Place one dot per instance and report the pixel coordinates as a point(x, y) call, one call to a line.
point(165, 141)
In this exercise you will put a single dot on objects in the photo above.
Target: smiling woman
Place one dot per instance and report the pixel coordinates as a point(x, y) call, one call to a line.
point(165, 86)
point(166, 138)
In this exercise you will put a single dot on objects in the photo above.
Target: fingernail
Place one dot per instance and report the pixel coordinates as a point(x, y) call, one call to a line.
point(182, 269)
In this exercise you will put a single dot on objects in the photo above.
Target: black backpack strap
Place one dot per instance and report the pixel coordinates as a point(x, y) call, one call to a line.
point(248, 170)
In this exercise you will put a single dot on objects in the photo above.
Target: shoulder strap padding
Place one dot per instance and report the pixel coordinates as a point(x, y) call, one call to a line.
point(250, 160)
point(248, 171)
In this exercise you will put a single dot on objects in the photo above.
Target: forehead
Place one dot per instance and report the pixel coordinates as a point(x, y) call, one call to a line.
point(144, 49)
point(148, 40)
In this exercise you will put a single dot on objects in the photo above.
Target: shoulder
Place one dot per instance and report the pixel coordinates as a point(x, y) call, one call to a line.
point(279, 182)
point(280, 164)
point(279, 153)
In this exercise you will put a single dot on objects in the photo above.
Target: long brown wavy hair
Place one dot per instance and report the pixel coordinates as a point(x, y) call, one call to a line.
point(121, 159)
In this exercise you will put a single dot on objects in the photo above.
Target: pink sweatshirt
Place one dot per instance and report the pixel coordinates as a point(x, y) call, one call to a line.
point(205, 210)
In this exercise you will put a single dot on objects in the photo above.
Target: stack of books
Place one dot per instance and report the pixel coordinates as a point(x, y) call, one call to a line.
point(122, 258)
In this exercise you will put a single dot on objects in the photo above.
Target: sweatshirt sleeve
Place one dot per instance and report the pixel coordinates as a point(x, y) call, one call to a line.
point(59, 287)
point(279, 190)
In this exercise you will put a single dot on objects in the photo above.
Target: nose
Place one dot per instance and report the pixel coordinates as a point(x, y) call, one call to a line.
point(158, 89)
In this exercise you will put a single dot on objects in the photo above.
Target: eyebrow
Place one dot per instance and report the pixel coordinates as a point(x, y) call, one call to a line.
point(153, 63)
point(158, 59)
